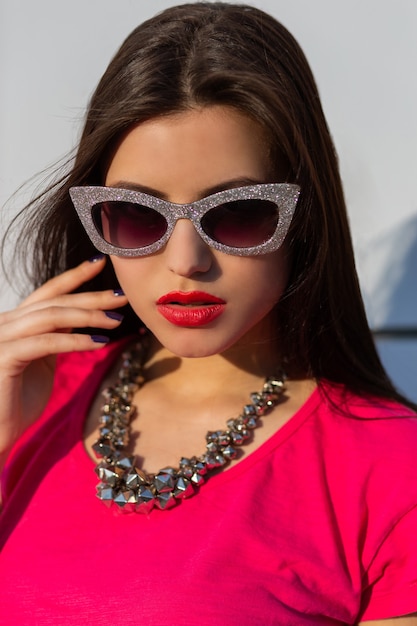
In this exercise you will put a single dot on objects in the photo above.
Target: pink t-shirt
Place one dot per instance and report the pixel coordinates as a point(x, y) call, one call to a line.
point(317, 526)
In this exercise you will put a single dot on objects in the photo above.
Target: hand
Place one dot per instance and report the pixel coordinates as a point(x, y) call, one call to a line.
point(35, 332)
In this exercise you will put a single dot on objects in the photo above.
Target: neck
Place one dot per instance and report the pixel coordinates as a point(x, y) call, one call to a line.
point(244, 364)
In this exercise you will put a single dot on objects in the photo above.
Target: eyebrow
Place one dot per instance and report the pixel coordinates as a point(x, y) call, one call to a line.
point(208, 191)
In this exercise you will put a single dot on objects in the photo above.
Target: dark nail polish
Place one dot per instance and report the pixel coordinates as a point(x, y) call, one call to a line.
point(99, 339)
point(113, 315)
point(118, 292)
point(97, 257)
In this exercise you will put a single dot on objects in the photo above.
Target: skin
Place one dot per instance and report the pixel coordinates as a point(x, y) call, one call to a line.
point(201, 375)
point(33, 333)
point(407, 620)
point(183, 158)
point(204, 372)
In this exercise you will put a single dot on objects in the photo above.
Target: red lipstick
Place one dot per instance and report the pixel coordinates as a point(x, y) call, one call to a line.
point(191, 308)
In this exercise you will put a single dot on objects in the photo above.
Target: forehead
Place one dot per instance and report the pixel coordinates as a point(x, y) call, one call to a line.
point(182, 154)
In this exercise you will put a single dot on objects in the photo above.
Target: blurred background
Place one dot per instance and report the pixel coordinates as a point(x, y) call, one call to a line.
point(363, 55)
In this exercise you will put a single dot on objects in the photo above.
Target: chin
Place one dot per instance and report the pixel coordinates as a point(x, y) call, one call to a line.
point(192, 350)
point(192, 343)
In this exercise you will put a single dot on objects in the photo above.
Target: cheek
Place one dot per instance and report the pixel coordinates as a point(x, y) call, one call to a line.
point(136, 277)
point(133, 274)
point(119, 269)
point(268, 277)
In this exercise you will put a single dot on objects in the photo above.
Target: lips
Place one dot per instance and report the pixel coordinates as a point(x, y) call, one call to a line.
point(189, 297)
point(191, 308)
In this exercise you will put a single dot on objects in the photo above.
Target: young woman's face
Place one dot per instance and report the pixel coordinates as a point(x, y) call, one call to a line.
point(197, 301)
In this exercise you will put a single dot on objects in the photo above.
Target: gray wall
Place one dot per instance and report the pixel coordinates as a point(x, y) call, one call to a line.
point(363, 55)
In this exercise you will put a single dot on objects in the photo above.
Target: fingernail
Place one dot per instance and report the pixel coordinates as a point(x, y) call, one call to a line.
point(118, 292)
point(97, 257)
point(113, 315)
point(99, 339)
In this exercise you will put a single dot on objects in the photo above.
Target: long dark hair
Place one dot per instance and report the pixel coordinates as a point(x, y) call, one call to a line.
point(234, 55)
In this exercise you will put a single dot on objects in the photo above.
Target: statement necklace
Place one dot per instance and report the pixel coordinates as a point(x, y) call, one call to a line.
point(131, 489)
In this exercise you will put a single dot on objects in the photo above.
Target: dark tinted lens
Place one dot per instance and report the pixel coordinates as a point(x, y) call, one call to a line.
point(128, 225)
point(241, 223)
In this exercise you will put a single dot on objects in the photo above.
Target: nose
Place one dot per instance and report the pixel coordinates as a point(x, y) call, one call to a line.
point(186, 253)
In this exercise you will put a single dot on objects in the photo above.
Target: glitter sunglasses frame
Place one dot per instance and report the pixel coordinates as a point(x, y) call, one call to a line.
point(283, 195)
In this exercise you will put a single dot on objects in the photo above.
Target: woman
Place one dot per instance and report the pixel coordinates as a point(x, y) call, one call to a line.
point(207, 174)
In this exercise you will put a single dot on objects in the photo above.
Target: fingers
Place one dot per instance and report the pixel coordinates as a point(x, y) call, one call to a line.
point(51, 319)
point(58, 292)
point(46, 332)
point(68, 281)
point(102, 300)
point(41, 326)
point(17, 354)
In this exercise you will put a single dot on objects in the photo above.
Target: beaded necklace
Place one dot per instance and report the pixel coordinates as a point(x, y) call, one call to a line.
point(131, 489)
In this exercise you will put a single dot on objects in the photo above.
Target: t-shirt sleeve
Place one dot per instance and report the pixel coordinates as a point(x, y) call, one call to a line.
point(392, 576)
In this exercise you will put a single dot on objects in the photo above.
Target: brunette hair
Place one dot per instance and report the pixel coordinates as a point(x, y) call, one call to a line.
point(202, 54)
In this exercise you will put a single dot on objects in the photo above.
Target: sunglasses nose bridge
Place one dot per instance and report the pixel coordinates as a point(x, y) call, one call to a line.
point(186, 212)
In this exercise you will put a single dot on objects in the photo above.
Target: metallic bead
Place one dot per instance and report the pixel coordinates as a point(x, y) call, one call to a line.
point(100, 467)
point(209, 461)
point(212, 436)
point(256, 398)
point(187, 472)
point(168, 470)
point(249, 409)
point(132, 480)
point(200, 467)
point(126, 500)
point(197, 479)
point(109, 477)
point(145, 507)
point(105, 419)
point(220, 460)
point(183, 488)
point(238, 438)
point(213, 461)
point(230, 453)
point(105, 494)
point(212, 447)
point(145, 499)
point(274, 385)
point(224, 439)
point(165, 500)
point(164, 482)
point(143, 477)
point(250, 422)
point(126, 463)
point(103, 448)
point(119, 430)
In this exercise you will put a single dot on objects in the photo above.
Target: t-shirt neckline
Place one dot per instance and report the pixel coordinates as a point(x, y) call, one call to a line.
point(229, 473)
